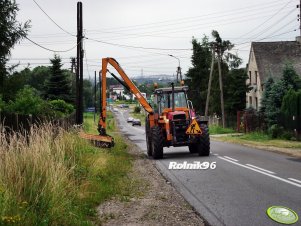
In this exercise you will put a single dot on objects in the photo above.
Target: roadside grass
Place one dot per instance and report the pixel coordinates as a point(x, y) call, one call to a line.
point(214, 129)
point(52, 177)
point(91, 127)
point(260, 139)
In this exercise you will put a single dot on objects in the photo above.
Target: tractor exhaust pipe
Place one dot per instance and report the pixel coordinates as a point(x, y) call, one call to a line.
point(173, 96)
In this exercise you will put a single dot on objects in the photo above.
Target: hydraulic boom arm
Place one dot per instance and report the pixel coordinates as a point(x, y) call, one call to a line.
point(127, 83)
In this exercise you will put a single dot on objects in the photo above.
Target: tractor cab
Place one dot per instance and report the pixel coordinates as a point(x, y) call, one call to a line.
point(172, 102)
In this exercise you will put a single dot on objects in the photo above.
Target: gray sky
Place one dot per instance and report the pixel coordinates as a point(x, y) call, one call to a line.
point(158, 24)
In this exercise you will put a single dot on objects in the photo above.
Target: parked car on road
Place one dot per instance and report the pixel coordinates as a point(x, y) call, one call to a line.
point(136, 122)
point(130, 119)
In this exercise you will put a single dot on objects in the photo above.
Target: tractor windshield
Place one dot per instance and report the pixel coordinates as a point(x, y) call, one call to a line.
point(165, 100)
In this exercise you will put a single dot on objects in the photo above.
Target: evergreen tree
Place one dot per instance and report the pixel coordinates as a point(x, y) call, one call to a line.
point(38, 77)
point(290, 78)
point(10, 33)
point(266, 93)
point(197, 75)
point(59, 85)
point(289, 103)
point(274, 101)
point(235, 90)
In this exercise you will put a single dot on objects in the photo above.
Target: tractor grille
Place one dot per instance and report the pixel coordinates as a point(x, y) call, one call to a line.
point(179, 128)
point(179, 117)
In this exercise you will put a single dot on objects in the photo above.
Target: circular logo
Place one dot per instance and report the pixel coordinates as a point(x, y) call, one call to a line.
point(282, 215)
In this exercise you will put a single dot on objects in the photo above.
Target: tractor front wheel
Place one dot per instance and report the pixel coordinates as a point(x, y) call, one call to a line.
point(193, 148)
point(157, 142)
point(204, 141)
point(202, 146)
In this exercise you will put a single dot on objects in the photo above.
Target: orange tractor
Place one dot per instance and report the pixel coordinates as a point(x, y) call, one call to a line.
point(171, 120)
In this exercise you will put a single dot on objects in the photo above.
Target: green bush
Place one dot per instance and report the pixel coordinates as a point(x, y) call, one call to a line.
point(137, 109)
point(2, 104)
point(276, 131)
point(287, 135)
point(28, 102)
point(61, 108)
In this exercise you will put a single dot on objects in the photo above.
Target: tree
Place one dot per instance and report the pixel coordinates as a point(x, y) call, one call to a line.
point(290, 78)
point(59, 85)
point(197, 75)
point(235, 90)
point(38, 77)
point(10, 33)
point(87, 93)
point(289, 104)
point(61, 108)
point(28, 102)
point(15, 82)
point(266, 93)
point(273, 97)
point(274, 101)
point(220, 47)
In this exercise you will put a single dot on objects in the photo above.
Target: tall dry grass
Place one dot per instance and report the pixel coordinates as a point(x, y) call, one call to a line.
point(36, 182)
point(52, 177)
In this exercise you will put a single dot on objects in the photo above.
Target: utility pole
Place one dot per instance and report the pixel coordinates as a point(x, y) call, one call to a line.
point(221, 85)
point(100, 102)
point(299, 16)
point(210, 80)
point(95, 109)
point(79, 68)
point(179, 73)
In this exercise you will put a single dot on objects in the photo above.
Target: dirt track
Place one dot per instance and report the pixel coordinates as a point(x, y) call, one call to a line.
point(158, 204)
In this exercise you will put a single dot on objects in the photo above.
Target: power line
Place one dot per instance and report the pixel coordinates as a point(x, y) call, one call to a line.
point(266, 37)
point(157, 33)
point(53, 20)
point(255, 28)
point(51, 50)
point(219, 13)
point(134, 47)
point(272, 25)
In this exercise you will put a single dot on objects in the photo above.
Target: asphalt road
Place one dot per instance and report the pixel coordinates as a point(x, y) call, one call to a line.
point(245, 182)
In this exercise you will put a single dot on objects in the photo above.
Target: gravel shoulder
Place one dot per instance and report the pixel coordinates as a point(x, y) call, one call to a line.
point(153, 200)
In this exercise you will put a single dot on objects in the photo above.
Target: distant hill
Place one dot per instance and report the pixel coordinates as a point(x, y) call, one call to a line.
point(163, 79)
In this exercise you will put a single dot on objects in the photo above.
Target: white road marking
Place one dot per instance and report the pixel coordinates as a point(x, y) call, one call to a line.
point(299, 181)
point(227, 157)
point(258, 171)
point(260, 168)
point(215, 154)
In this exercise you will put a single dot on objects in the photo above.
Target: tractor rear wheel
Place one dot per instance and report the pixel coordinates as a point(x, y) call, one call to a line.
point(204, 141)
point(148, 137)
point(157, 142)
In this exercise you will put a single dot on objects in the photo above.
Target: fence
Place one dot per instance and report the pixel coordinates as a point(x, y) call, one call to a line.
point(13, 122)
point(291, 123)
point(215, 120)
point(249, 121)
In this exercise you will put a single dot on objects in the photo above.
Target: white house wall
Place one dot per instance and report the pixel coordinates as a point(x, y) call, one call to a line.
point(256, 93)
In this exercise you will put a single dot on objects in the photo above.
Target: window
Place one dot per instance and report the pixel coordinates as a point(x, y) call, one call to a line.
point(250, 77)
point(165, 100)
point(256, 77)
point(250, 101)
